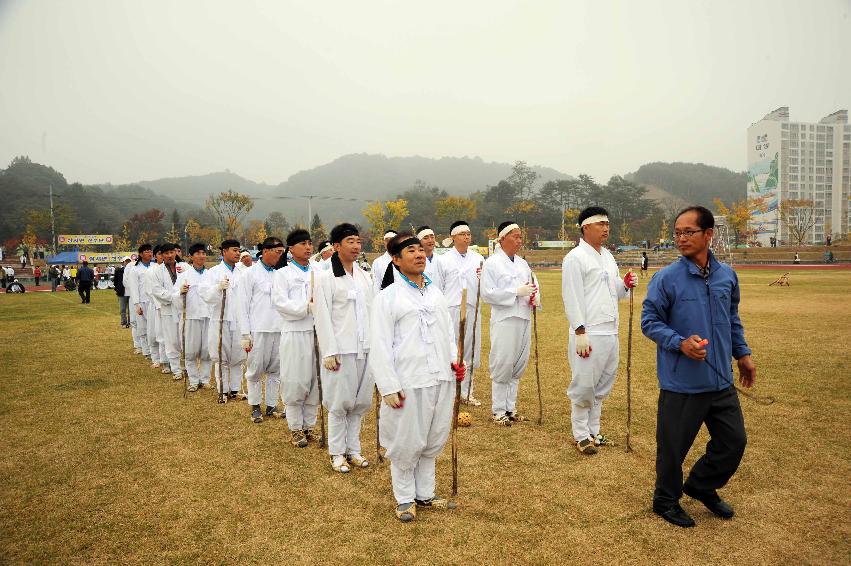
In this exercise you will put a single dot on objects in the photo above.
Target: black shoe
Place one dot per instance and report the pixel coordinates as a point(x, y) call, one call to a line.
point(674, 515)
point(711, 501)
point(232, 395)
point(256, 415)
point(270, 412)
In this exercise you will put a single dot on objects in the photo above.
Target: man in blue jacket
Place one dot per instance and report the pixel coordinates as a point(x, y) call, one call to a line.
point(692, 313)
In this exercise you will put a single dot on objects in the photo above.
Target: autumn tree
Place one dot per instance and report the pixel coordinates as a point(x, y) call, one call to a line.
point(317, 229)
point(122, 242)
point(228, 208)
point(384, 215)
point(739, 214)
point(254, 233)
point(450, 209)
point(146, 227)
point(523, 179)
point(797, 218)
point(276, 225)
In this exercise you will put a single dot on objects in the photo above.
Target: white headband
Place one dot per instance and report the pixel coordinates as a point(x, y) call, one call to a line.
point(327, 247)
point(389, 234)
point(594, 219)
point(423, 233)
point(458, 229)
point(504, 232)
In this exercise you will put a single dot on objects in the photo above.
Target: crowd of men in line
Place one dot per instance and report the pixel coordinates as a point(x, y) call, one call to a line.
point(325, 333)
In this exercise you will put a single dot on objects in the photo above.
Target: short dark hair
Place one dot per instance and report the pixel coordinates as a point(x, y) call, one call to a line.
point(270, 243)
point(229, 244)
point(144, 248)
point(705, 218)
point(342, 231)
point(199, 247)
point(588, 213)
point(399, 242)
point(167, 247)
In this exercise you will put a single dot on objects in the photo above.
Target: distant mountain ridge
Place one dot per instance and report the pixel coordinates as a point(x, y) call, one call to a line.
point(376, 176)
point(692, 183)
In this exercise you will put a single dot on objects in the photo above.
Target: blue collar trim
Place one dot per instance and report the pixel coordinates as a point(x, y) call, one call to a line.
point(414, 285)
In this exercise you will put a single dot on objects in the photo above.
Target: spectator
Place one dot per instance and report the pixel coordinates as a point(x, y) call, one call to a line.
point(828, 239)
point(645, 262)
point(73, 273)
point(85, 278)
point(797, 259)
point(53, 274)
point(66, 274)
point(123, 298)
point(3, 276)
point(24, 260)
point(15, 287)
point(37, 275)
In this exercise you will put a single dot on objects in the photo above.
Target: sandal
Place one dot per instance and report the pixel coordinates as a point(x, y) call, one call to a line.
point(436, 502)
point(602, 440)
point(586, 447)
point(406, 512)
point(338, 464)
point(357, 460)
point(503, 420)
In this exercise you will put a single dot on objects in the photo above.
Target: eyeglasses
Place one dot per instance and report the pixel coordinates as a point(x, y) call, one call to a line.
point(686, 233)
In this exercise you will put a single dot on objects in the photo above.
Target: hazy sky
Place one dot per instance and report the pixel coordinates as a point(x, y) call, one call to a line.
point(122, 91)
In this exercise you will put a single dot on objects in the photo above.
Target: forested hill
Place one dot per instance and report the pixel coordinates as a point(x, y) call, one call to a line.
point(25, 197)
point(693, 182)
point(371, 176)
point(196, 188)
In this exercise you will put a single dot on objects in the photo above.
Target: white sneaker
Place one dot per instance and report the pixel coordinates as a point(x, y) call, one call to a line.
point(473, 402)
point(166, 369)
point(155, 365)
point(137, 350)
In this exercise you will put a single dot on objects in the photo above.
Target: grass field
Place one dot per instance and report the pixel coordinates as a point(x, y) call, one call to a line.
point(102, 461)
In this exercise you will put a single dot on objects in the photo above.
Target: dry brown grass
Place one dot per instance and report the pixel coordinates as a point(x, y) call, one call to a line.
point(103, 462)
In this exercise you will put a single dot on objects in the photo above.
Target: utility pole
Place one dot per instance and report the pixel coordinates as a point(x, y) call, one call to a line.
point(52, 222)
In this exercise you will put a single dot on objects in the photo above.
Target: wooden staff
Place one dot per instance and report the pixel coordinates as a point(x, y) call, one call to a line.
point(183, 347)
point(377, 396)
point(475, 325)
point(537, 370)
point(629, 376)
point(318, 371)
point(223, 398)
point(462, 330)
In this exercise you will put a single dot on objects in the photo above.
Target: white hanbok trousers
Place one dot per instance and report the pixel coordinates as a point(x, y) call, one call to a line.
point(592, 381)
point(414, 435)
point(347, 394)
point(230, 368)
point(471, 358)
point(509, 356)
point(197, 352)
point(133, 330)
point(300, 389)
point(264, 357)
point(170, 333)
point(152, 317)
point(142, 329)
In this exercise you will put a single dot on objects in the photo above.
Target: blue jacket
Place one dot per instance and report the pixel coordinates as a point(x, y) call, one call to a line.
point(679, 303)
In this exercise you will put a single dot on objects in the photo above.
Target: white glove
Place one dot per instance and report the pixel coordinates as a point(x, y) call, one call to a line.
point(224, 284)
point(184, 289)
point(583, 346)
point(395, 400)
point(525, 290)
point(246, 342)
point(331, 362)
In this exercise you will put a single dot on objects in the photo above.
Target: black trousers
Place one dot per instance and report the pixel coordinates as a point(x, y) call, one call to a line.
point(679, 418)
point(85, 290)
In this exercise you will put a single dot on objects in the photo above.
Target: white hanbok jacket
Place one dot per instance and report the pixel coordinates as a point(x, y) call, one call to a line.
point(459, 272)
point(209, 291)
point(257, 312)
point(591, 288)
point(413, 342)
point(196, 307)
point(500, 279)
point(341, 312)
point(290, 295)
